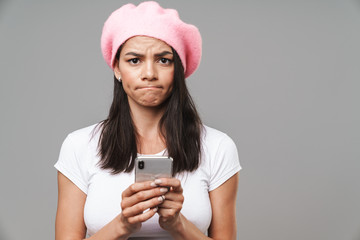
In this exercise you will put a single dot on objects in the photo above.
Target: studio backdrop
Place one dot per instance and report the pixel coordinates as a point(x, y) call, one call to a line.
point(280, 77)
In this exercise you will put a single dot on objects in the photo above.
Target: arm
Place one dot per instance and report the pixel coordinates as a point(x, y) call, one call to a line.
point(69, 223)
point(71, 200)
point(223, 222)
point(223, 204)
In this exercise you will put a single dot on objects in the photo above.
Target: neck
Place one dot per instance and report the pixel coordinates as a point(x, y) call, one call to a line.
point(146, 121)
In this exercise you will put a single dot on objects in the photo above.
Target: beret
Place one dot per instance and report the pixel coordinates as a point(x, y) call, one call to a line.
point(150, 19)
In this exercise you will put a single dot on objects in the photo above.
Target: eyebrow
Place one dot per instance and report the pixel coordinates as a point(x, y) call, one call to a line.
point(163, 54)
point(156, 55)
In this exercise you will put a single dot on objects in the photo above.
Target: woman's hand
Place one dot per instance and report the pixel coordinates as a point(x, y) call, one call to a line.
point(139, 203)
point(169, 211)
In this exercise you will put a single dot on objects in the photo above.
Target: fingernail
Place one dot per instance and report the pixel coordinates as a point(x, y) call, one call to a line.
point(163, 190)
point(160, 199)
point(155, 209)
point(158, 181)
point(153, 184)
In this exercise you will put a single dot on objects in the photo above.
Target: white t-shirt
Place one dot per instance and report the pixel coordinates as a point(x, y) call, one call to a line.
point(78, 161)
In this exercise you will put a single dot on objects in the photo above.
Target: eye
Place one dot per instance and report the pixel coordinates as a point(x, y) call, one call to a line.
point(165, 60)
point(134, 61)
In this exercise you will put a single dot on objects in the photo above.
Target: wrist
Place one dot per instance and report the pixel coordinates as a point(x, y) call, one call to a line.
point(114, 230)
point(122, 232)
point(178, 229)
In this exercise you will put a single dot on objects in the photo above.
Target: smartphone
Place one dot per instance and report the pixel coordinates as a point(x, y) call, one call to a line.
point(149, 168)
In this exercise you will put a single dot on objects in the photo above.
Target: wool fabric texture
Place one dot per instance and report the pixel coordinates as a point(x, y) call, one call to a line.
point(151, 20)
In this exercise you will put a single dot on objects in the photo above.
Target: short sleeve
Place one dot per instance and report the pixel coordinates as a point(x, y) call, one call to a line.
point(225, 164)
point(70, 163)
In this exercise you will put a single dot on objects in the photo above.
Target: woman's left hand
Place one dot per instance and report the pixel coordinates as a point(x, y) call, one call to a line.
point(169, 210)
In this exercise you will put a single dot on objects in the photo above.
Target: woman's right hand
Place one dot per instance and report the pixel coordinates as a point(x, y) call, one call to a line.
point(136, 199)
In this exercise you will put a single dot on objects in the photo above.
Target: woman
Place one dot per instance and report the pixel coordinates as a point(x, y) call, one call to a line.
point(151, 51)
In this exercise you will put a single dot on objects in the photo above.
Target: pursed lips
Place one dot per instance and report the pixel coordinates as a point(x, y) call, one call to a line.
point(149, 87)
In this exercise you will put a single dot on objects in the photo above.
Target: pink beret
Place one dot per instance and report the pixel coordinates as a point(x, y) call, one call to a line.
point(150, 19)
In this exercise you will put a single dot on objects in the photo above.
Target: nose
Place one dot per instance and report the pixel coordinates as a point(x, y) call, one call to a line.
point(149, 71)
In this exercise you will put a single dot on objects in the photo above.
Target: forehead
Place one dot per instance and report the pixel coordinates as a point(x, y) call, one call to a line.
point(144, 44)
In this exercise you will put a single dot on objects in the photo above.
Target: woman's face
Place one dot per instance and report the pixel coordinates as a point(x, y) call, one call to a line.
point(146, 69)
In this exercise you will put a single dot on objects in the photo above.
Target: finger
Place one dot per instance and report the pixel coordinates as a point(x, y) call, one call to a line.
point(140, 207)
point(167, 204)
point(142, 217)
point(167, 213)
point(137, 187)
point(142, 196)
point(174, 196)
point(174, 183)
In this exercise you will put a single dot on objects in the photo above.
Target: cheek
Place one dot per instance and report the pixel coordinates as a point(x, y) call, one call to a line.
point(129, 79)
point(129, 75)
point(169, 80)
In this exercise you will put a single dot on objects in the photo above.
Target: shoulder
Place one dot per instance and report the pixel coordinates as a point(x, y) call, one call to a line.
point(215, 138)
point(80, 140)
point(78, 155)
point(84, 135)
point(218, 147)
point(80, 146)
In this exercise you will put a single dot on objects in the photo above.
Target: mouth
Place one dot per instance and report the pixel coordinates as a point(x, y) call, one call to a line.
point(149, 87)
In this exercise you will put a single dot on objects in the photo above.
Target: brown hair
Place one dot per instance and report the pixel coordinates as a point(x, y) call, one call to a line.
point(181, 125)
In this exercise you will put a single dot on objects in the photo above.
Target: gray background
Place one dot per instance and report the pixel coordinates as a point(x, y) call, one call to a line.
point(280, 77)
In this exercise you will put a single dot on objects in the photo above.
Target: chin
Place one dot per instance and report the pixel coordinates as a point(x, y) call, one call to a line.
point(151, 103)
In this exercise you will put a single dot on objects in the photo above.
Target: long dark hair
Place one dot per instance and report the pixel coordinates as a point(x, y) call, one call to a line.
point(180, 126)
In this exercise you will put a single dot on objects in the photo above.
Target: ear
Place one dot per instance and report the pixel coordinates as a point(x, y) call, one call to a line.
point(117, 69)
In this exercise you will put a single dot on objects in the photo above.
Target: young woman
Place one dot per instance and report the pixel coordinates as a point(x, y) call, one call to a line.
point(151, 52)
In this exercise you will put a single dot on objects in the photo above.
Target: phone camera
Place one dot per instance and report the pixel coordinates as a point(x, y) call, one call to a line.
point(141, 164)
